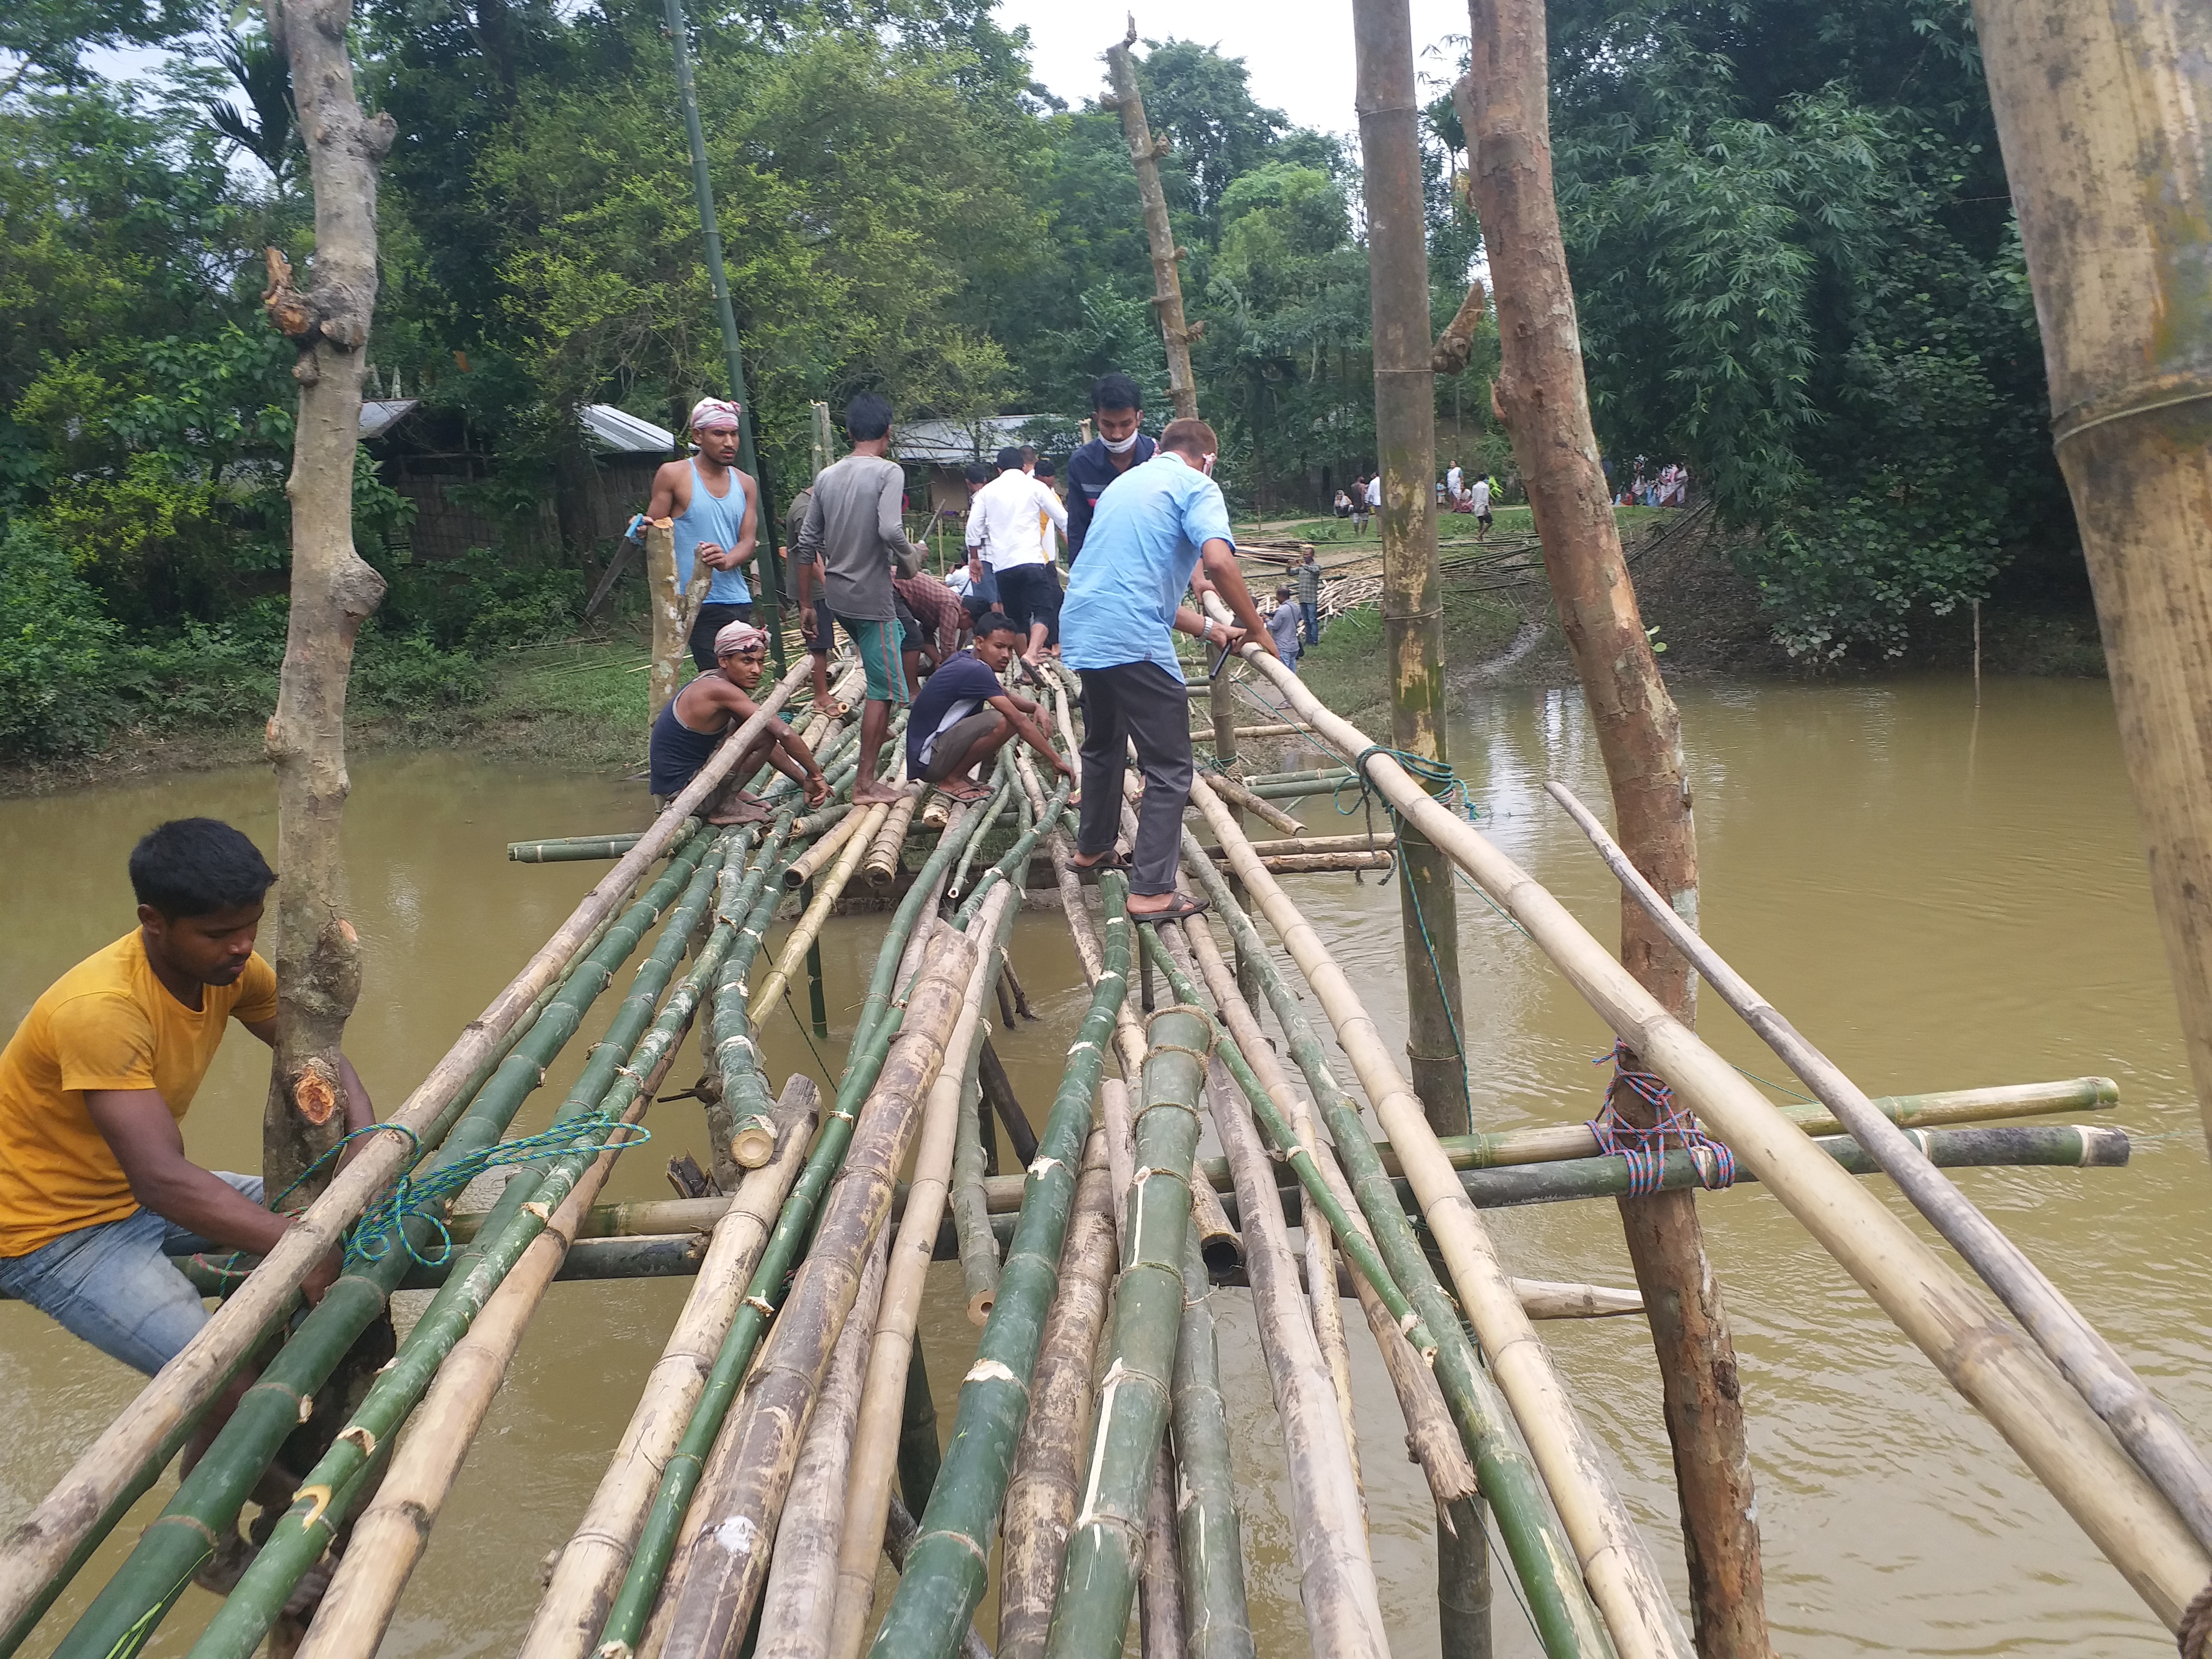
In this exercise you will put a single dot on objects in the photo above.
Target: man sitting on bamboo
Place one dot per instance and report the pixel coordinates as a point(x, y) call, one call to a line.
point(96, 1194)
point(692, 727)
point(964, 716)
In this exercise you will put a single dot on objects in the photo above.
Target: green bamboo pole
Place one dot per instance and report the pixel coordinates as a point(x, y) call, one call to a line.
point(920, 1457)
point(992, 808)
point(946, 1573)
point(635, 1042)
point(126, 1612)
point(873, 1034)
point(1218, 1623)
point(1558, 1605)
point(1016, 858)
point(567, 849)
point(745, 1094)
point(971, 1220)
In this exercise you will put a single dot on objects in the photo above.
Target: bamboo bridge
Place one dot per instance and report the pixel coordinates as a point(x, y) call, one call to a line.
point(787, 1438)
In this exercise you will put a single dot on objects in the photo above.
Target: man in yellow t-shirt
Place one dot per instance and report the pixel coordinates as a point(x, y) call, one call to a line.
point(96, 1193)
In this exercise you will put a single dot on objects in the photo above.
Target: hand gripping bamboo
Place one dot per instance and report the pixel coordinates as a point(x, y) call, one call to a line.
point(35, 1550)
point(2057, 1435)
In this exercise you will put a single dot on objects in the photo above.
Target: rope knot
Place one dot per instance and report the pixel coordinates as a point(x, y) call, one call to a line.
point(1674, 1129)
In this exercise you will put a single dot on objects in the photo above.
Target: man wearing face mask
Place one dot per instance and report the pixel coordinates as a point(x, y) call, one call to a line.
point(1117, 410)
point(1155, 526)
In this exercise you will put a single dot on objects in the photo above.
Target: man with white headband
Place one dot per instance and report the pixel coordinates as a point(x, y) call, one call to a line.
point(697, 718)
point(716, 509)
point(1154, 527)
point(1117, 410)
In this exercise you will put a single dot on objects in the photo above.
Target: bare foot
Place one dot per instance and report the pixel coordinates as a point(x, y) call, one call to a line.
point(873, 794)
point(744, 807)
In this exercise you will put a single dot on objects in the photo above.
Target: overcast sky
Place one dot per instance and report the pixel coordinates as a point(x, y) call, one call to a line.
point(1298, 52)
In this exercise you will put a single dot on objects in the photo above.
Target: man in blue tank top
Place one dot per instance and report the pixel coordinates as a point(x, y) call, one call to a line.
point(717, 513)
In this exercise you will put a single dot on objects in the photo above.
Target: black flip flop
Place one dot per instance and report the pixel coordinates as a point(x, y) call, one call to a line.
point(1181, 907)
point(1112, 861)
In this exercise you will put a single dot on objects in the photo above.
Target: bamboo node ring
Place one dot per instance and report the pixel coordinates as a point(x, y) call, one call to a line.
point(1045, 1165)
point(992, 1370)
point(761, 1305)
point(359, 1436)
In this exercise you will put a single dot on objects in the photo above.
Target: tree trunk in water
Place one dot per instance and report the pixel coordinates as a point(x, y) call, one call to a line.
point(1145, 153)
point(318, 955)
point(2103, 134)
point(1542, 397)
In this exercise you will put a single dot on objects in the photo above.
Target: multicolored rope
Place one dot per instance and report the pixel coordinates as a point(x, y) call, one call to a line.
point(1674, 1129)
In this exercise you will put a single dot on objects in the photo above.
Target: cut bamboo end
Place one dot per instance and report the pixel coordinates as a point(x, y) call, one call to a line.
point(753, 1143)
point(980, 1306)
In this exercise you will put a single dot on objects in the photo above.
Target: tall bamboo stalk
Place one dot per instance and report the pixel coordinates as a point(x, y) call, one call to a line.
point(1105, 1540)
point(172, 1549)
point(882, 1418)
point(947, 1572)
point(2101, 115)
point(1983, 1357)
point(1145, 153)
point(2137, 1417)
point(591, 1566)
point(1546, 404)
point(798, 1601)
point(1041, 1495)
point(736, 1518)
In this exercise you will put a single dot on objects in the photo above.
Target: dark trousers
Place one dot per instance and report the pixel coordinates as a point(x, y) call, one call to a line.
point(713, 619)
point(1138, 702)
point(1312, 614)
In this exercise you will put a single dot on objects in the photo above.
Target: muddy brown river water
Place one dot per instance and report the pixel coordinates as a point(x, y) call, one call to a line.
point(1939, 896)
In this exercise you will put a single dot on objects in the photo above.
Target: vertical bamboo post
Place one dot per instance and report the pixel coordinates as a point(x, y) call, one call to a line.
point(334, 590)
point(770, 582)
point(665, 596)
point(1145, 153)
point(1413, 588)
point(1546, 402)
point(2102, 117)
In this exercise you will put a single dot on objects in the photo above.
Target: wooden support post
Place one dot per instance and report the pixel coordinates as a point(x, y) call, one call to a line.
point(2103, 129)
point(1546, 402)
point(1145, 153)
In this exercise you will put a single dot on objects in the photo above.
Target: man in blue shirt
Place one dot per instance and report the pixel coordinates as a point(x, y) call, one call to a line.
point(963, 715)
point(1153, 528)
point(1117, 410)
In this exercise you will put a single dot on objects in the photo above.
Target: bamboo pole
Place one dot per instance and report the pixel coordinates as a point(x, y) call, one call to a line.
point(900, 1532)
point(999, 1089)
point(1105, 1540)
point(1622, 1579)
point(1310, 845)
point(948, 1571)
point(1160, 1623)
point(799, 1599)
point(1541, 394)
point(920, 1457)
point(1211, 1538)
point(576, 849)
point(38, 1550)
point(727, 1556)
point(172, 1549)
point(2101, 116)
point(882, 866)
point(1269, 729)
point(2137, 1417)
point(592, 1564)
point(877, 1435)
point(808, 928)
point(1237, 795)
point(979, 1250)
point(1041, 1493)
point(1145, 153)
point(1996, 1369)
point(857, 826)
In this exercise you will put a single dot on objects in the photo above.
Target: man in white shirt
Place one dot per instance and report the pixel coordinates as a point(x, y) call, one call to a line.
point(1375, 492)
point(1481, 504)
point(1005, 523)
point(1453, 480)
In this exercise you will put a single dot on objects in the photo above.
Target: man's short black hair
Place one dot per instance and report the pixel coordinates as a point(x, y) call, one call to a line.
point(1010, 459)
point(976, 472)
point(195, 867)
point(1045, 469)
point(998, 622)
point(868, 416)
point(1115, 390)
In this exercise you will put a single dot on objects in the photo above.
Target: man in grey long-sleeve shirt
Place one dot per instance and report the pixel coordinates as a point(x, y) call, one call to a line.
point(851, 534)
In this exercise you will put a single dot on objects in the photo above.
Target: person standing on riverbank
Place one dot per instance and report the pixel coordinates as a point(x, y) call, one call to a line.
point(1309, 574)
point(1004, 532)
point(1282, 625)
point(96, 1194)
point(716, 509)
point(853, 535)
point(697, 718)
point(1117, 413)
point(1153, 529)
point(1479, 499)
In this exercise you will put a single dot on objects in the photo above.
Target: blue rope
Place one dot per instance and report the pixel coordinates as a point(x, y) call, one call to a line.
point(1674, 1129)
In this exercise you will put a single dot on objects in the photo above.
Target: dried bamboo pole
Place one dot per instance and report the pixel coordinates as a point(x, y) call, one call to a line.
point(882, 1418)
point(1145, 153)
point(1104, 1542)
point(979, 1250)
point(1989, 1362)
point(1237, 795)
point(2137, 1417)
point(1218, 1245)
point(36, 1552)
point(799, 1599)
point(592, 1564)
point(744, 1101)
point(858, 825)
point(1041, 1495)
point(1336, 1575)
point(1382, 841)
point(1557, 1601)
point(946, 1578)
point(882, 865)
point(735, 1516)
point(1160, 1626)
point(808, 928)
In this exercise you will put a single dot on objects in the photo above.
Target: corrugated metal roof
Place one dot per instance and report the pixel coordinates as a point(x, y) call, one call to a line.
point(379, 415)
point(610, 428)
point(955, 443)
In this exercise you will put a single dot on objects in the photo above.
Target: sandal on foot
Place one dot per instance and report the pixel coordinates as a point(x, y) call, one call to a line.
point(1180, 908)
point(1112, 860)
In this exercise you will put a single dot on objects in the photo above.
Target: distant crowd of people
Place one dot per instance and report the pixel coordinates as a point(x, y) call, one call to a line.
point(1669, 487)
point(1455, 493)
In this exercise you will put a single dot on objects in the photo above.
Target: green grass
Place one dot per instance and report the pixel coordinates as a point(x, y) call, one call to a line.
point(1332, 532)
point(1348, 670)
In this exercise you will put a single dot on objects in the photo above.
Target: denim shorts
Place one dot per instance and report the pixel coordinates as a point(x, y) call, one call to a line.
point(114, 1285)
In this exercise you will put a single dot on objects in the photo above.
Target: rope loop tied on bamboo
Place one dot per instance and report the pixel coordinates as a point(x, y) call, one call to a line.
point(2196, 1626)
point(1674, 1129)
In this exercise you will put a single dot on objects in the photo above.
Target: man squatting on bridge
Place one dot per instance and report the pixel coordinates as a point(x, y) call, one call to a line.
point(716, 703)
point(963, 715)
point(95, 1191)
point(716, 510)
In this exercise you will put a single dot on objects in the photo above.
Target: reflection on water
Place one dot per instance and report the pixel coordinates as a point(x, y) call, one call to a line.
point(1941, 899)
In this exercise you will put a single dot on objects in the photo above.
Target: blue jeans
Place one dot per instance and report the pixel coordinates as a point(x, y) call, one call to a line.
point(114, 1285)
point(1312, 622)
